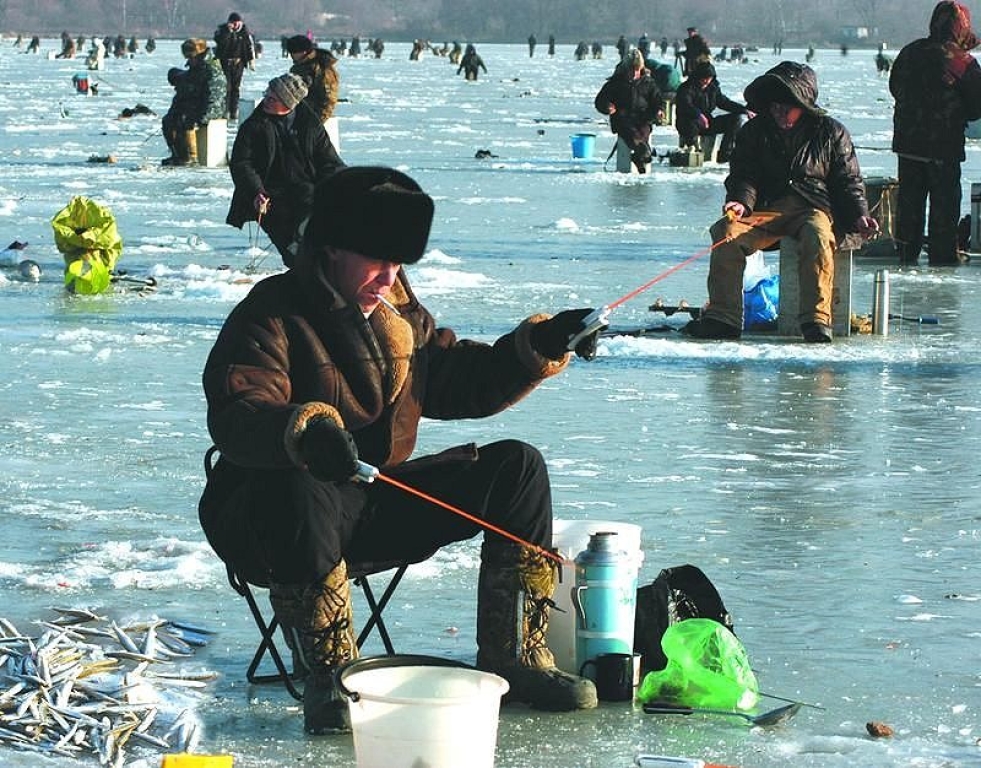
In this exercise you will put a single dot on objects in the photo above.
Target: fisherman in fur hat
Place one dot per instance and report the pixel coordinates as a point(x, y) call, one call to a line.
point(336, 361)
point(199, 96)
point(318, 69)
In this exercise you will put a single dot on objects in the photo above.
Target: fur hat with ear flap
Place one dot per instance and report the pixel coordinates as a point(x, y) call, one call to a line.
point(372, 210)
point(299, 44)
point(193, 46)
point(702, 70)
point(289, 89)
point(633, 59)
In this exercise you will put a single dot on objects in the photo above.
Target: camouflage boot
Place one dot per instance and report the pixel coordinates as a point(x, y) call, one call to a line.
point(287, 603)
point(326, 640)
point(514, 595)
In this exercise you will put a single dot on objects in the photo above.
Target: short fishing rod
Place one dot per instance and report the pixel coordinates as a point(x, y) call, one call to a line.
point(254, 261)
point(921, 319)
point(599, 318)
point(367, 473)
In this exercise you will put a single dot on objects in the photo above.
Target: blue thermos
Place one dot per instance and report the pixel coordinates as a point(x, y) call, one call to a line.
point(605, 598)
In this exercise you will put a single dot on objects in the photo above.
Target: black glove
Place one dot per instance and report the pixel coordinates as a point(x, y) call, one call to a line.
point(329, 451)
point(551, 338)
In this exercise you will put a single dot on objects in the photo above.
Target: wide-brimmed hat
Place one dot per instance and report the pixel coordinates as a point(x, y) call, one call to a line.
point(375, 211)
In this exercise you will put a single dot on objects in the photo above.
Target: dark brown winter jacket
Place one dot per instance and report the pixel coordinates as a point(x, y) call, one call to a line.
point(637, 101)
point(292, 349)
point(320, 74)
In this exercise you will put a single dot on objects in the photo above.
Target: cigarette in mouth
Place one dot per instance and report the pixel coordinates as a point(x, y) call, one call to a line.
point(387, 303)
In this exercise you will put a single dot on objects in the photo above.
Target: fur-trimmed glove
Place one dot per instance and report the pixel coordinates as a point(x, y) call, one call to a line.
point(329, 451)
point(551, 338)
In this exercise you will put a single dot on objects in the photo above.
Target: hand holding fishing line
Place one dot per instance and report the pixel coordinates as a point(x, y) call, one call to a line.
point(571, 330)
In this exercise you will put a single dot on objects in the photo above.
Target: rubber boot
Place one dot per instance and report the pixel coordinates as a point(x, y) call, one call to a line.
point(191, 146)
point(171, 137)
point(179, 148)
point(326, 640)
point(514, 594)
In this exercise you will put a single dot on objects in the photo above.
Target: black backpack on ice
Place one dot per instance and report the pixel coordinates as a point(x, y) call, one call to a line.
point(678, 593)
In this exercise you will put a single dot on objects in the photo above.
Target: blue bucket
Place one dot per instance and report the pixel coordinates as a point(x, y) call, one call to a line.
point(583, 145)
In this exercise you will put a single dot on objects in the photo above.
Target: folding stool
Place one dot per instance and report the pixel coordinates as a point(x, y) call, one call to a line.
point(267, 628)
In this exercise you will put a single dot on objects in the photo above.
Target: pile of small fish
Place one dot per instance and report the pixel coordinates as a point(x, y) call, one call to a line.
point(87, 685)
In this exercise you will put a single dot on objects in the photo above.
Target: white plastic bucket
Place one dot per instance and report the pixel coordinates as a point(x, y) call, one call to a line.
point(411, 711)
point(569, 538)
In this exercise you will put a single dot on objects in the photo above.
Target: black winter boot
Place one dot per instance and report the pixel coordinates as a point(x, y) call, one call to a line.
point(514, 595)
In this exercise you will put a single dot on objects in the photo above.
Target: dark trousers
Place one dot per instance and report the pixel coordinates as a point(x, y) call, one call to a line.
point(637, 136)
point(280, 223)
point(941, 183)
point(175, 127)
point(726, 124)
point(293, 529)
point(233, 69)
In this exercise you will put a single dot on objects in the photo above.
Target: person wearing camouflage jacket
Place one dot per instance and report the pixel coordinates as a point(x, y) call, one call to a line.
point(199, 96)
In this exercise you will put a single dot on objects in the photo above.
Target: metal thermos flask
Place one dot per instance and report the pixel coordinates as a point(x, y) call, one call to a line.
point(605, 598)
point(880, 303)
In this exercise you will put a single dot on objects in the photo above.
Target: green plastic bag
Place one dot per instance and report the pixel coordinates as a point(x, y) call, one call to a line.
point(86, 235)
point(707, 667)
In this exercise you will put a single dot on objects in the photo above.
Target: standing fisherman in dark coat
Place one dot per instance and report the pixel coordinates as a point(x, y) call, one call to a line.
point(634, 103)
point(235, 49)
point(471, 63)
point(937, 86)
point(696, 50)
point(280, 154)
